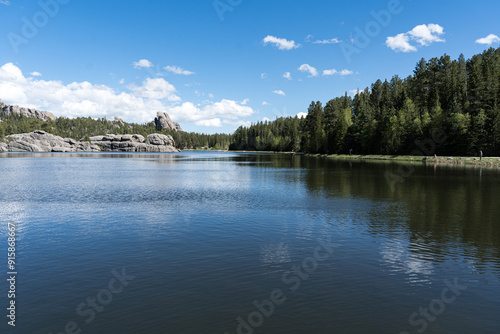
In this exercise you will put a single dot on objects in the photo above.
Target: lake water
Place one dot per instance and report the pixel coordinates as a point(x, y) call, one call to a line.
point(248, 243)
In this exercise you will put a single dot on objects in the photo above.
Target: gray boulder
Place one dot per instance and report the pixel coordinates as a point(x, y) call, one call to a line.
point(159, 139)
point(135, 143)
point(41, 141)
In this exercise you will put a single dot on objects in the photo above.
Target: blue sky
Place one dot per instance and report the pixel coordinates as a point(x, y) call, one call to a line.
point(215, 65)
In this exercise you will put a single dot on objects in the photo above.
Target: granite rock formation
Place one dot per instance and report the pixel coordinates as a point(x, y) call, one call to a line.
point(135, 143)
point(26, 112)
point(41, 141)
point(164, 123)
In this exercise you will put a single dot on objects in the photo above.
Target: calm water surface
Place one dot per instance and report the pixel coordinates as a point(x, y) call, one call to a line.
point(246, 243)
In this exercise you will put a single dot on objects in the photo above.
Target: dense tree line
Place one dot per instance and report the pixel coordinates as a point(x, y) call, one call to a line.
point(83, 128)
point(459, 97)
point(283, 134)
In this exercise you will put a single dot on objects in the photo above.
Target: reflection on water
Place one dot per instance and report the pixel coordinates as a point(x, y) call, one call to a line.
point(206, 234)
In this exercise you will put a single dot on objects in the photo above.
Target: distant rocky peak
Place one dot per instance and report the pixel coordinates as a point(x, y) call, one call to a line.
point(26, 112)
point(163, 122)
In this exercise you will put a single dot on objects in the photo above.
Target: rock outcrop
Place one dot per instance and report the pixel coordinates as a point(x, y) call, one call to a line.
point(27, 112)
point(163, 122)
point(41, 141)
point(135, 143)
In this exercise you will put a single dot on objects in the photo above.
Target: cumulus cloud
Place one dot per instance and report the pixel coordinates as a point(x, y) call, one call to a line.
point(328, 41)
point(227, 109)
point(330, 72)
point(400, 42)
point(143, 63)
point(281, 43)
point(423, 34)
point(36, 74)
point(237, 123)
point(138, 103)
point(279, 92)
point(334, 71)
point(155, 89)
point(214, 122)
point(287, 75)
point(488, 40)
point(264, 103)
point(308, 68)
point(301, 115)
point(310, 38)
point(346, 72)
point(178, 70)
point(427, 34)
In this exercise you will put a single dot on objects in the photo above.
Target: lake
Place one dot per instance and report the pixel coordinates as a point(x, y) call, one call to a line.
point(204, 242)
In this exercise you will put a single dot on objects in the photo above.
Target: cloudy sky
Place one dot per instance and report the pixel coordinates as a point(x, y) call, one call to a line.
point(216, 65)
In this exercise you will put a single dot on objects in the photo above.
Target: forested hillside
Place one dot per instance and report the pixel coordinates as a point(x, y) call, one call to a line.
point(83, 128)
point(460, 97)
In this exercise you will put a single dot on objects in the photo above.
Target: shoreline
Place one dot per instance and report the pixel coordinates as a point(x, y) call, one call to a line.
point(440, 160)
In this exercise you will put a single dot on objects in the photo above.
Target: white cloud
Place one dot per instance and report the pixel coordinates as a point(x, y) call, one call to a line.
point(264, 103)
point(75, 99)
point(245, 101)
point(228, 109)
point(178, 70)
point(400, 42)
point(334, 71)
point(214, 122)
point(328, 41)
point(287, 75)
point(136, 104)
point(346, 72)
point(310, 38)
point(308, 68)
point(5, 2)
point(330, 72)
point(212, 114)
point(302, 115)
point(122, 81)
point(157, 89)
point(263, 75)
point(238, 123)
point(488, 40)
point(355, 92)
point(423, 34)
point(36, 74)
point(143, 63)
point(281, 43)
point(265, 119)
point(279, 92)
point(427, 34)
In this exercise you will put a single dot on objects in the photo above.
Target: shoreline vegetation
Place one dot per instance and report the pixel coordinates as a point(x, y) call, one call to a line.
point(440, 160)
point(431, 160)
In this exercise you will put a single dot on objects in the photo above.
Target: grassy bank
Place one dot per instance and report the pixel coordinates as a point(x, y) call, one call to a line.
point(442, 160)
point(475, 161)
